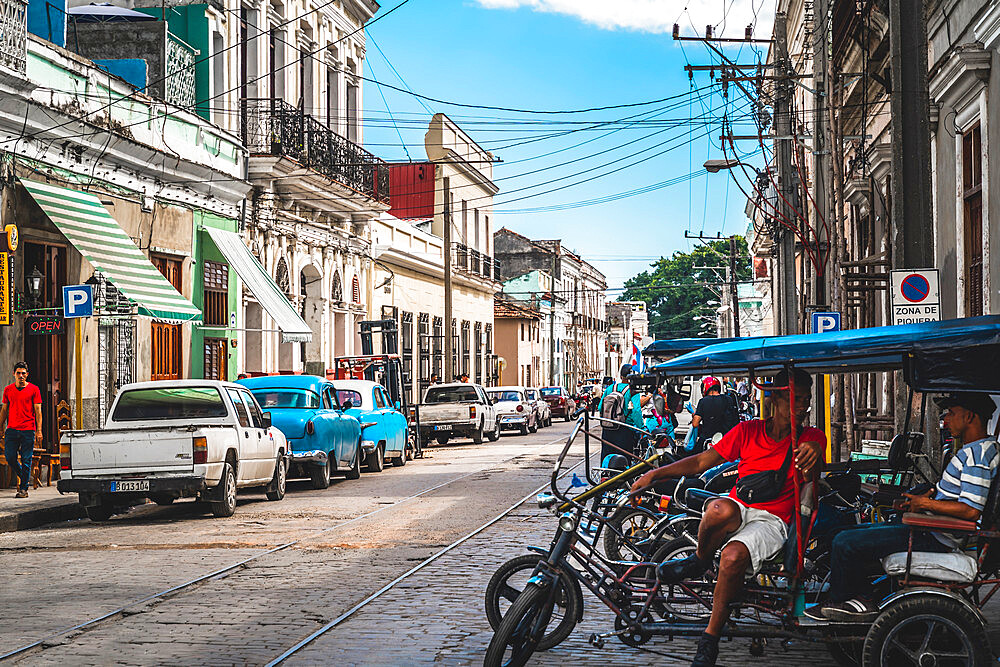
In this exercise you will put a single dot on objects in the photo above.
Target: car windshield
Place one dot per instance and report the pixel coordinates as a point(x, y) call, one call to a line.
point(344, 395)
point(551, 391)
point(287, 398)
point(169, 403)
point(498, 396)
point(450, 394)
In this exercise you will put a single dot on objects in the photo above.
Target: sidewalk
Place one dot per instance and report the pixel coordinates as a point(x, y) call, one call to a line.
point(43, 505)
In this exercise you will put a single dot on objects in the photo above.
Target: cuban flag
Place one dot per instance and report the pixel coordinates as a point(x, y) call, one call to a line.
point(637, 363)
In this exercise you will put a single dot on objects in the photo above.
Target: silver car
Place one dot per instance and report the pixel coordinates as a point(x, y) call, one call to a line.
point(542, 408)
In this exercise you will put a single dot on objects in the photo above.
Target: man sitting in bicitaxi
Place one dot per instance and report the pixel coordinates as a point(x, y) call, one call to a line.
point(751, 525)
point(856, 553)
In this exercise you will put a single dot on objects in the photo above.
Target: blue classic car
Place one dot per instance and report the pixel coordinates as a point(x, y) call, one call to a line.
point(383, 426)
point(323, 438)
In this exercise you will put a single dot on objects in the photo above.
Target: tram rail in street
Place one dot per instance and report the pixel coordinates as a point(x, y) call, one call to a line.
point(191, 584)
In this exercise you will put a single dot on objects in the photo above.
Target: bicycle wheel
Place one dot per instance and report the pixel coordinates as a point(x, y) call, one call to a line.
point(509, 581)
point(627, 527)
point(521, 629)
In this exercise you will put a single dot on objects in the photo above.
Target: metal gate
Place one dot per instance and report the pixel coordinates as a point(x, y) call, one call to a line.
point(116, 331)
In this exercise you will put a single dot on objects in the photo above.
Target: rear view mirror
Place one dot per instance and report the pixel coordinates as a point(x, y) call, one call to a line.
point(398, 406)
point(685, 391)
point(266, 418)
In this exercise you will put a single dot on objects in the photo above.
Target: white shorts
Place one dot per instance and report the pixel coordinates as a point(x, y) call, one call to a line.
point(762, 533)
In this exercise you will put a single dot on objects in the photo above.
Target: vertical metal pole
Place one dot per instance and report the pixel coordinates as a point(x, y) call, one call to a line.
point(552, 323)
point(786, 179)
point(734, 299)
point(78, 352)
point(449, 344)
point(827, 424)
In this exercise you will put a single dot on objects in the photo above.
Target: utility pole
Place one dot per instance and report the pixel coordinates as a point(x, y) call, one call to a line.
point(734, 298)
point(783, 148)
point(911, 137)
point(449, 344)
point(552, 323)
point(821, 148)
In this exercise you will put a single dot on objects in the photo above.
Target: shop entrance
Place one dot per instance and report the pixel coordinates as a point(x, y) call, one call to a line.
point(46, 354)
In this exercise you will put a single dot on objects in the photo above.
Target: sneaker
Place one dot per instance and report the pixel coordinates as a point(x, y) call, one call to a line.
point(815, 612)
point(708, 651)
point(852, 611)
point(674, 571)
point(21, 493)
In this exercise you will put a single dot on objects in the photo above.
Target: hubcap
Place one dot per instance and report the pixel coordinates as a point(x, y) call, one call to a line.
point(231, 491)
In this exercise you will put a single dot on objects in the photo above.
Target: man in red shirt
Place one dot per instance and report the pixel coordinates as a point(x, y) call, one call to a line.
point(748, 534)
point(22, 411)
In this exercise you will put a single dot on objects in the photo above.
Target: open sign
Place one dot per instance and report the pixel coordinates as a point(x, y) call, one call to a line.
point(44, 325)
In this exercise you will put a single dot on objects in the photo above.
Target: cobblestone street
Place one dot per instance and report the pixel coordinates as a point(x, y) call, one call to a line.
point(78, 571)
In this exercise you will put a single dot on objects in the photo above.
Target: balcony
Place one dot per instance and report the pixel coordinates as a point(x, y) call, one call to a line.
point(13, 35)
point(475, 262)
point(274, 127)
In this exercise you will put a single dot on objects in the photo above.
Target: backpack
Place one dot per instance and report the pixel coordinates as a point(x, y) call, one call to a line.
point(613, 406)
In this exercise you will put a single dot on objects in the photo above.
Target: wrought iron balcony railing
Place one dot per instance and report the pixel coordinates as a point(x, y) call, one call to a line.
point(275, 127)
point(13, 34)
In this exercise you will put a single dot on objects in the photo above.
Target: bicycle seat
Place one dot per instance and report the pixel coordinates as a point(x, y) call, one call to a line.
point(695, 498)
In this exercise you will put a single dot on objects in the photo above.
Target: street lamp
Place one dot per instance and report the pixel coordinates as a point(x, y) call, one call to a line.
point(715, 166)
point(35, 285)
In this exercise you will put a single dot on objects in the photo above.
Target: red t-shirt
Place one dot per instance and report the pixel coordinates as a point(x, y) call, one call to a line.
point(21, 406)
point(757, 452)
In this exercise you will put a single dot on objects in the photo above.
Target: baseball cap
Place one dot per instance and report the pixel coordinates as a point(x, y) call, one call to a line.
point(976, 402)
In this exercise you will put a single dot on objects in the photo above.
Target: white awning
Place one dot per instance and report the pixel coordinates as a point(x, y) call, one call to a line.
point(262, 286)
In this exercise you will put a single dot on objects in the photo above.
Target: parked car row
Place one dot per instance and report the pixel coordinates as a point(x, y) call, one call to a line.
point(205, 439)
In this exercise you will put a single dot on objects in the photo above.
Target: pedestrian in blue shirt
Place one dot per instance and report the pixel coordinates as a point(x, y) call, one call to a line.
point(856, 553)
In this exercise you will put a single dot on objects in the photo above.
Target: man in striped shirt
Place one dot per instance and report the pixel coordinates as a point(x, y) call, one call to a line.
point(961, 493)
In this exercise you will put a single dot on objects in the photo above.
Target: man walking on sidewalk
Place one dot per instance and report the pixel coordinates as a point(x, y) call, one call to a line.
point(22, 411)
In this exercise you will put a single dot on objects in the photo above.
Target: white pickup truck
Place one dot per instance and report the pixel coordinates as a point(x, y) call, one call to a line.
point(175, 439)
point(457, 409)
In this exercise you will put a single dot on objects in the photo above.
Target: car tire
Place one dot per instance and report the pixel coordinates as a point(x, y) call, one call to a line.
point(162, 498)
point(533, 426)
point(320, 475)
point(375, 462)
point(276, 489)
point(477, 436)
point(441, 439)
point(400, 460)
point(494, 435)
point(355, 471)
point(226, 506)
point(99, 512)
point(524, 429)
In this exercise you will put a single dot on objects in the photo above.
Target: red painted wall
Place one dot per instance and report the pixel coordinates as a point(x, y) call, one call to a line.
point(411, 188)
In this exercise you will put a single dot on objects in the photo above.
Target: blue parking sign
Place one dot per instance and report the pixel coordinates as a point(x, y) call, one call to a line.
point(78, 301)
point(823, 322)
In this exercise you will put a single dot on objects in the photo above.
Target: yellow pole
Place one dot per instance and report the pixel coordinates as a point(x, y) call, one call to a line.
point(827, 424)
point(78, 326)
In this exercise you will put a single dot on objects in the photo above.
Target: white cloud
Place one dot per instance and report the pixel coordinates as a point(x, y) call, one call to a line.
point(657, 16)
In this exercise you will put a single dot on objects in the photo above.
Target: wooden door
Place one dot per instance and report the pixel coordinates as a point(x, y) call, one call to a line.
point(166, 338)
point(215, 359)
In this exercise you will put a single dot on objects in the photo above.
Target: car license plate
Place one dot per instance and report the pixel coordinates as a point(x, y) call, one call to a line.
point(130, 486)
point(442, 428)
point(509, 419)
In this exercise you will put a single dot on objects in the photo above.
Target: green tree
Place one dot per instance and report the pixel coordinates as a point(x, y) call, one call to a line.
point(675, 292)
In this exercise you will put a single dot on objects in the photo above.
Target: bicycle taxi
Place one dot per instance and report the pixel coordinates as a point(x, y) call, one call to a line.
point(930, 611)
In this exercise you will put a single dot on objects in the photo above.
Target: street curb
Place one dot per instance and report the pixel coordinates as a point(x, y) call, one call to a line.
point(33, 518)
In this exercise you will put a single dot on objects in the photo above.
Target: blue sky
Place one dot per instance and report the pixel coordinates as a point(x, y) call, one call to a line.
point(571, 54)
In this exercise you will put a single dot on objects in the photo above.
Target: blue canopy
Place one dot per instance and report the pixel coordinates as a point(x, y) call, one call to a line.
point(951, 354)
point(678, 346)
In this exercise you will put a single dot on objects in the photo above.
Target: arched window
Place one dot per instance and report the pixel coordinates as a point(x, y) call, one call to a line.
point(337, 291)
point(281, 277)
point(356, 290)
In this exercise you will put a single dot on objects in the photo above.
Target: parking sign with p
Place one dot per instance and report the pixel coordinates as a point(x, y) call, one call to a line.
point(825, 322)
point(78, 301)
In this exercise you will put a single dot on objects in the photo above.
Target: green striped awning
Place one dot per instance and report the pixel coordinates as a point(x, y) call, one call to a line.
point(91, 229)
